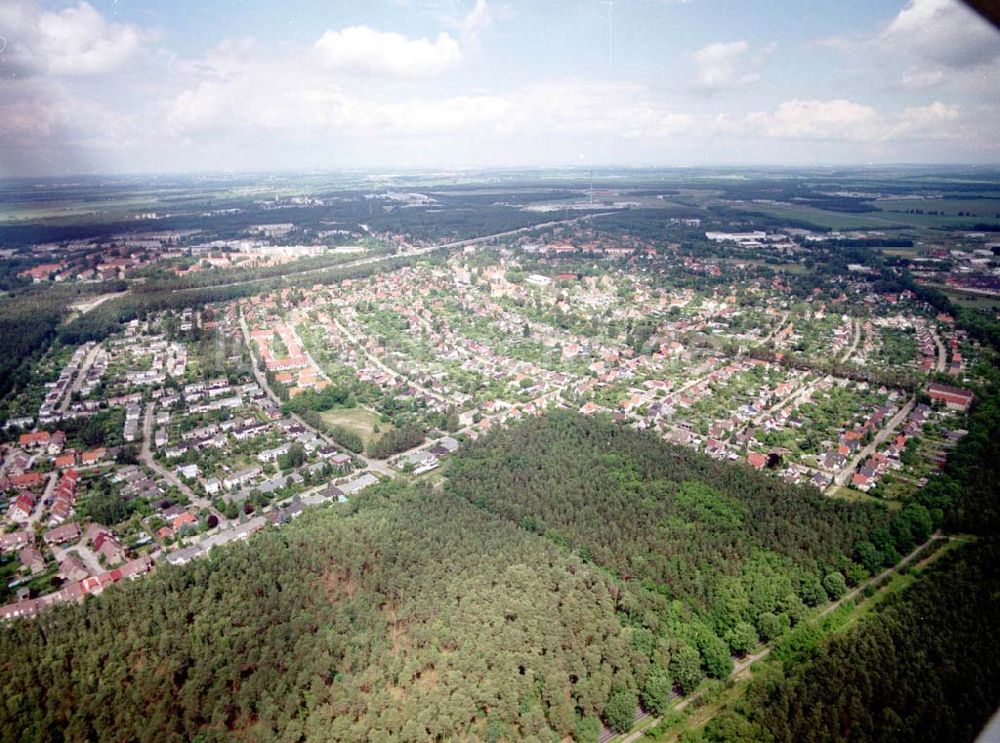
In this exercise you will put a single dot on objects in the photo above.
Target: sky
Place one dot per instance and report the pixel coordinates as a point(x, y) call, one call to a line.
point(175, 86)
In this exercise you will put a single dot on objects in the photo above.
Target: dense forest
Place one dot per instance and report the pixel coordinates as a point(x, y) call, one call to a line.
point(966, 491)
point(29, 321)
point(713, 556)
point(414, 614)
point(416, 617)
point(925, 667)
point(25, 332)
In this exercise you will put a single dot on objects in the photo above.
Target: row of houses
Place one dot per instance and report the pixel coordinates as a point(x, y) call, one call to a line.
point(76, 591)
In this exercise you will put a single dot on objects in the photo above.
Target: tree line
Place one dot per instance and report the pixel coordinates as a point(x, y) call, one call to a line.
point(711, 557)
point(924, 667)
point(409, 616)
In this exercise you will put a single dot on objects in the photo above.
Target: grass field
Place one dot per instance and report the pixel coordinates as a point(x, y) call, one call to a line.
point(358, 420)
point(112, 208)
point(826, 219)
point(902, 252)
point(891, 216)
point(972, 300)
point(856, 496)
point(973, 211)
point(796, 268)
point(985, 208)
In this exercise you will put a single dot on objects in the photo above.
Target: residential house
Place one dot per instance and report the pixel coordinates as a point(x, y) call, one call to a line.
point(954, 398)
point(105, 544)
point(22, 508)
point(27, 480)
point(189, 471)
point(241, 477)
point(183, 519)
point(32, 559)
point(35, 440)
point(73, 569)
point(353, 486)
point(15, 540)
point(93, 456)
point(65, 460)
point(63, 534)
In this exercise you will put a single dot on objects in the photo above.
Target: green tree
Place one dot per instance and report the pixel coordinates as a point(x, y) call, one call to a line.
point(347, 438)
point(451, 421)
point(835, 585)
point(918, 518)
point(769, 626)
point(811, 590)
point(685, 668)
point(619, 712)
point(715, 653)
point(656, 691)
point(730, 727)
point(587, 730)
point(742, 638)
point(107, 507)
point(295, 457)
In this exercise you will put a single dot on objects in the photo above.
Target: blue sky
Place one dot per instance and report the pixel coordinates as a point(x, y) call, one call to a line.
point(157, 86)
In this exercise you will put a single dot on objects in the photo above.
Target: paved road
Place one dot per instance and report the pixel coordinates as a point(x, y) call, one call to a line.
point(41, 508)
point(147, 457)
point(415, 251)
point(86, 306)
point(742, 665)
point(854, 345)
point(81, 374)
point(774, 329)
point(842, 477)
point(942, 356)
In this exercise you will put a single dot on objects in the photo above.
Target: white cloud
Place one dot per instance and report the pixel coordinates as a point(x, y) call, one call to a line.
point(283, 120)
point(934, 121)
point(916, 77)
point(722, 66)
point(229, 58)
point(940, 42)
point(77, 40)
point(848, 121)
point(278, 96)
point(364, 49)
point(929, 43)
point(818, 120)
point(250, 104)
point(942, 32)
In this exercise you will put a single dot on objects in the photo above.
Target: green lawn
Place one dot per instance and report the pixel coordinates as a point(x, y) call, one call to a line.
point(983, 209)
point(824, 218)
point(358, 420)
point(972, 300)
